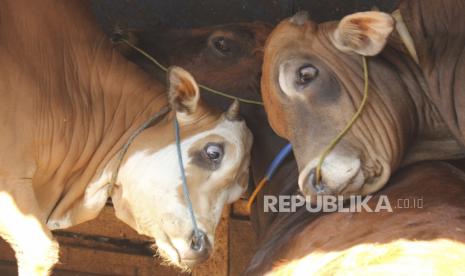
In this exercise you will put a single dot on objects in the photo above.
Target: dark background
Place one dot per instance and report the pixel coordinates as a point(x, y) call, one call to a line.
point(152, 14)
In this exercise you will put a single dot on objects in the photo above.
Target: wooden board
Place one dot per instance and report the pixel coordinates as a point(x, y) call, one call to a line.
point(106, 246)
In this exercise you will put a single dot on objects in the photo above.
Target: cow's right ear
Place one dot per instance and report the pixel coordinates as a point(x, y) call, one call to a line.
point(364, 33)
point(183, 91)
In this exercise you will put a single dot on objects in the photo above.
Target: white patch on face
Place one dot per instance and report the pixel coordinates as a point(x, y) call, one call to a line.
point(287, 77)
point(150, 183)
point(284, 83)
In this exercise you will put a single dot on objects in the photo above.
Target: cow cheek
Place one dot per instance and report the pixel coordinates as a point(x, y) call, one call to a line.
point(273, 108)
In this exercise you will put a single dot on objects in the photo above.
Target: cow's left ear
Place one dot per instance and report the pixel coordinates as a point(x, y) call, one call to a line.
point(183, 91)
point(364, 33)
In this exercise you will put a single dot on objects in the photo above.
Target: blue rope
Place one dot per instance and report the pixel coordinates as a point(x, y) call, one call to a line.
point(277, 161)
point(185, 189)
point(283, 153)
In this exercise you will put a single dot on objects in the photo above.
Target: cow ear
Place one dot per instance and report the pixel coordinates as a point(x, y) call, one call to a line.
point(183, 91)
point(364, 33)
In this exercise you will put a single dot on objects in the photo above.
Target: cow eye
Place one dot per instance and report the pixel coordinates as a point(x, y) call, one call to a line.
point(221, 45)
point(213, 152)
point(306, 74)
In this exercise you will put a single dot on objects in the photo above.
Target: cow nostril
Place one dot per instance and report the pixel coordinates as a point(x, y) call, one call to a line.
point(317, 186)
point(200, 243)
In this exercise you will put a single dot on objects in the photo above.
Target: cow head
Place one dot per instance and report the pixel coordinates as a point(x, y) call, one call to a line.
point(215, 151)
point(226, 57)
point(312, 84)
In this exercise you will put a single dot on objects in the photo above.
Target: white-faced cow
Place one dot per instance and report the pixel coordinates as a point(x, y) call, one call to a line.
point(313, 83)
point(69, 103)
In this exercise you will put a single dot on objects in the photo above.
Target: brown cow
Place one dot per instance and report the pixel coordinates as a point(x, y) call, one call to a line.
point(227, 57)
point(69, 102)
point(423, 235)
point(312, 84)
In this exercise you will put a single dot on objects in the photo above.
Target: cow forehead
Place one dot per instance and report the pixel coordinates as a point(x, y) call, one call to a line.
point(290, 41)
point(161, 160)
point(205, 130)
point(308, 38)
point(287, 32)
point(235, 132)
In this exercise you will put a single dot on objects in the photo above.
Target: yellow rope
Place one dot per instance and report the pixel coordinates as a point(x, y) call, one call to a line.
point(259, 187)
point(338, 138)
point(152, 59)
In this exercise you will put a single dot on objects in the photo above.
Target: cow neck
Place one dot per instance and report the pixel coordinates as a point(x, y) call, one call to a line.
point(104, 115)
point(152, 120)
point(431, 129)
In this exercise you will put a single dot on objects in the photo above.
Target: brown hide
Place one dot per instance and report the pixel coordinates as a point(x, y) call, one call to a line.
point(438, 31)
point(386, 235)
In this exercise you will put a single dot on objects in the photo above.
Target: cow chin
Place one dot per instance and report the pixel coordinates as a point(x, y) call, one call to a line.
point(178, 252)
point(377, 182)
point(343, 176)
point(168, 253)
point(339, 172)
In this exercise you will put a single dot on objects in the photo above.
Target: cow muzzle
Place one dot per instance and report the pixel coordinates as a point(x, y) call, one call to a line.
point(198, 251)
point(340, 175)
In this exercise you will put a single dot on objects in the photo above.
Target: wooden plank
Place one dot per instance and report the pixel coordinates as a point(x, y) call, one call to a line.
point(91, 248)
point(111, 263)
point(8, 268)
point(107, 225)
point(242, 245)
point(106, 246)
point(6, 253)
point(76, 260)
